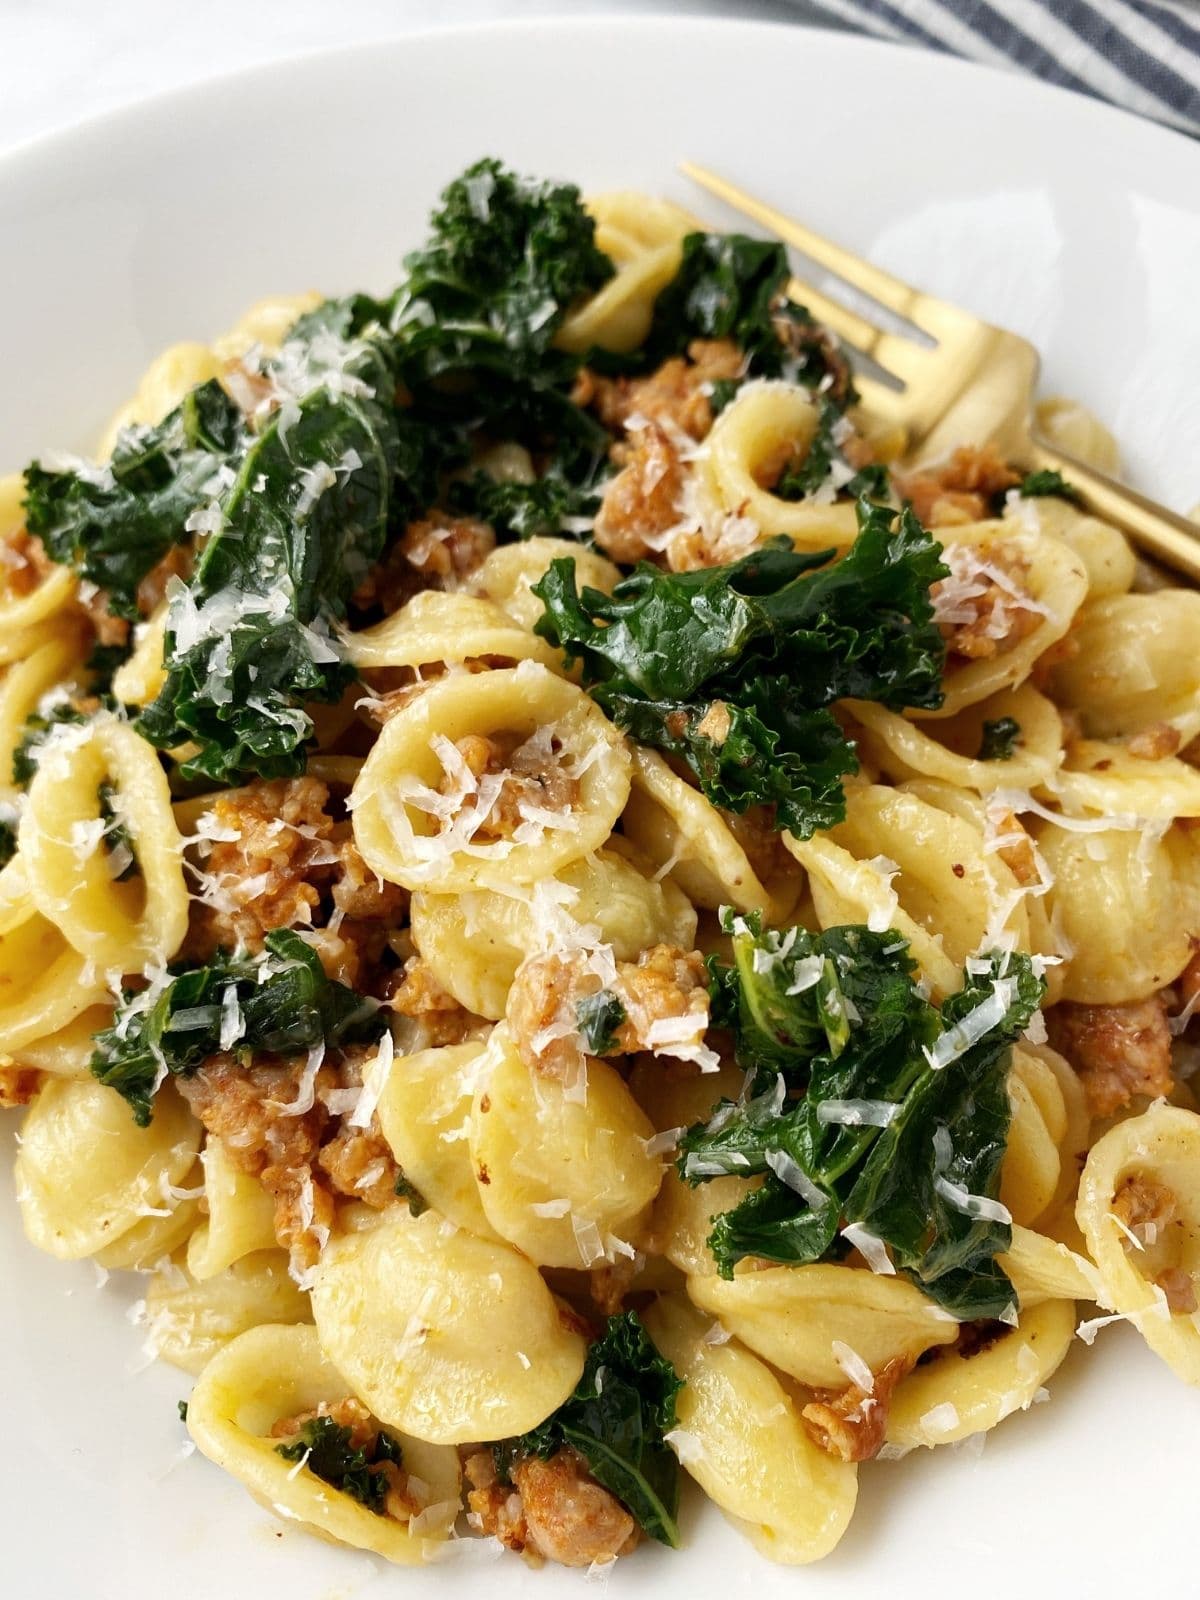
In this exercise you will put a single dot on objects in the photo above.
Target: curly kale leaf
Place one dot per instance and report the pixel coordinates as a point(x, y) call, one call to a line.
point(8, 840)
point(1048, 482)
point(730, 286)
point(825, 463)
point(866, 1105)
point(280, 1003)
point(248, 638)
point(547, 506)
point(998, 741)
point(476, 316)
point(732, 668)
point(598, 1017)
point(622, 1407)
point(114, 523)
point(325, 1447)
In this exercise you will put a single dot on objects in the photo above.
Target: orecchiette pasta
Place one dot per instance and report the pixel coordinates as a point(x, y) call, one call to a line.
point(71, 869)
point(240, 1220)
point(86, 1174)
point(270, 1374)
point(1139, 1212)
point(563, 1169)
point(425, 1114)
point(791, 1316)
point(741, 1438)
point(508, 574)
point(474, 942)
point(675, 826)
point(189, 1322)
point(445, 1335)
point(956, 1393)
point(765, 422)
point(419, 846)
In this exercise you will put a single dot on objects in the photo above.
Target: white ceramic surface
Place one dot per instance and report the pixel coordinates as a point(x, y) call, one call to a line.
point(1069, 222)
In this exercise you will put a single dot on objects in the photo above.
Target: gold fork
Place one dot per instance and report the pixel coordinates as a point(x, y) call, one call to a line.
point(973, 384)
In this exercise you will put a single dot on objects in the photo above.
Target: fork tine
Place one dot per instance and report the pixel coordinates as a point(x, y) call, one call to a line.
point(852, 329)
point(891, 292)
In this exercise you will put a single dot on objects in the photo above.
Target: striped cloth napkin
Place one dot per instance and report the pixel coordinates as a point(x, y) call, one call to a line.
point(1143, 55)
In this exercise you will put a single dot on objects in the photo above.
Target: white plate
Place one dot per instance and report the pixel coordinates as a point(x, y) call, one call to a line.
point(1071, 223)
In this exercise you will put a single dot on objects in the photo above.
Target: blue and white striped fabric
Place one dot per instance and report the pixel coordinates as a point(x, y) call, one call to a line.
point(1143, 55)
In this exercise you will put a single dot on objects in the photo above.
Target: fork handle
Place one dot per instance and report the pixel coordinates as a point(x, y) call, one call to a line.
point(1161, 534)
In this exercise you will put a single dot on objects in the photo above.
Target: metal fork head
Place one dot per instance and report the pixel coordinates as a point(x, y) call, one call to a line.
point(965, 380)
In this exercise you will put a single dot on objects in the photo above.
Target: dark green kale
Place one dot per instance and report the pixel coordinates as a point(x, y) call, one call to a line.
point(325, 1448)
point(182, 1407)
point(248, 642)
point(730, 286)
point(999, 739)
point(476, 317)
point(117, 839)
point(866, 1106)
point(616, 1419)
point(417, 1202)
point(8, 841)
point(39, 725)
point(733, 668)
point(103, 661)
point(823, 456)
point(546, 506)
point(114, 523)
point(1048, 482)
point(598, 1017)
point(279, 1003)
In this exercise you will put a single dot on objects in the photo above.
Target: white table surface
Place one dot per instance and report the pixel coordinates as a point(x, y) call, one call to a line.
point(62, 61)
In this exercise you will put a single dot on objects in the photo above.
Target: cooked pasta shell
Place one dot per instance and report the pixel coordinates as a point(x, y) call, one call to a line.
point(563, 1170)
point(952, 1396)
point(740, 1436)
point(1160, 1151)
point(272, 1373)
point(86, 1173)
point(791, 1316)
point(449, 1337)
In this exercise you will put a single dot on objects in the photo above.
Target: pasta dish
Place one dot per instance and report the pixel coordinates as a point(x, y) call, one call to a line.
point(575, 912)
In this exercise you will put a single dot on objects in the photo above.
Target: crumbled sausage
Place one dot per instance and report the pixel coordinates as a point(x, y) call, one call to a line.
point(542, 1012)
point(534, 780)
point(851, 1423)
point(1154, 743)
point(494, 1508)
point(642, 502)
point(961, 490)
point(664, 983)
point(294, 1145)
point(439, 551)
point(1144, 1207)
point(758, 832)
point(24, 562)
point(1179, 1290)
point(675, 395)
point(18, 1085)
point(247, 1108)
point(359, 1162)
point(1119, 1052)
point(288, 851)
point(437, 1014)
point(984, 606)
point(569, 1518)
point(151, 591)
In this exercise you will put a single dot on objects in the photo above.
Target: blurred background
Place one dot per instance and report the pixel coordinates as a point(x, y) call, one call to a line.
point(65, 60)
